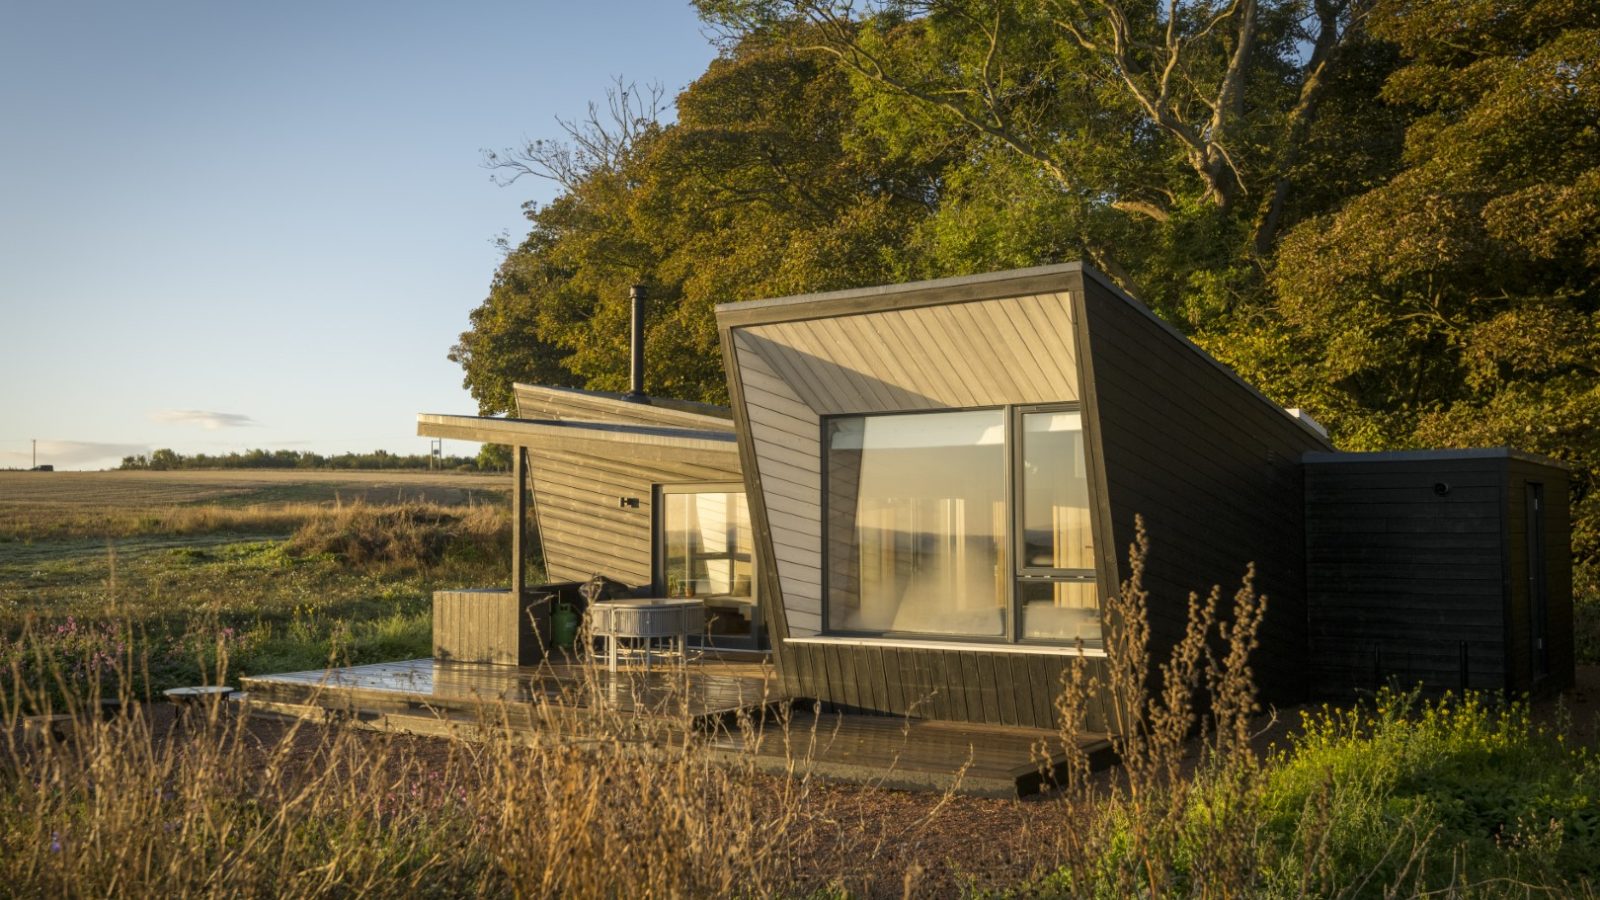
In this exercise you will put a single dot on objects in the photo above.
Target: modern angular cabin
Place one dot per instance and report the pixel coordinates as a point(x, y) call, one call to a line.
point(922, 493)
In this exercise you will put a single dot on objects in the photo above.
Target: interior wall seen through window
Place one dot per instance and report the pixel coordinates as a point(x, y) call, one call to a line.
point(709, 544)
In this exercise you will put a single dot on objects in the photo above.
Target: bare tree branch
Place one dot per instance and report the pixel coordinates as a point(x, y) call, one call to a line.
point(596, 143)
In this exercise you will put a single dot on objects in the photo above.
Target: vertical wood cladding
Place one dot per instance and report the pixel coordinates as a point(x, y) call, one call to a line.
point(1419, 571)
point(1212, 467)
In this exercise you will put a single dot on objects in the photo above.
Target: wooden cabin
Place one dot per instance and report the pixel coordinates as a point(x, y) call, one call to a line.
point(923, 492)
point(647, 494)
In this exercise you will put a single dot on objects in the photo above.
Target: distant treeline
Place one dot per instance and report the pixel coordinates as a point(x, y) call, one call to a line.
point(166, 459)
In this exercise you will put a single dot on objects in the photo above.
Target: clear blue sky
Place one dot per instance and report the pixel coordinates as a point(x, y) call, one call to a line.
point(228, 225)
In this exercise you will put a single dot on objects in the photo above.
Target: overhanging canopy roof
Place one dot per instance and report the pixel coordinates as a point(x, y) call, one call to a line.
point(604, 439)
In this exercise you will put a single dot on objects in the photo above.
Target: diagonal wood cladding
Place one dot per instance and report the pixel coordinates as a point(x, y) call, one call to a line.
point(970, 354)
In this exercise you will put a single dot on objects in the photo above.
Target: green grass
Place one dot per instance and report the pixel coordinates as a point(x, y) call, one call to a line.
point(350, 585)
point(1461, 796)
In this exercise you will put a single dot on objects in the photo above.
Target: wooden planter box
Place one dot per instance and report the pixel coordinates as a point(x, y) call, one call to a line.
point(489, 625)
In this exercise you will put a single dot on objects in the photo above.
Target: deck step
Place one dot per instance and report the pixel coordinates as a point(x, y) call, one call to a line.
point(921, 754)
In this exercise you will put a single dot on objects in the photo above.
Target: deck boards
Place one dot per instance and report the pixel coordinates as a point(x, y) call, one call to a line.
point(448, 699)
point(916, 754)
point(718, 689)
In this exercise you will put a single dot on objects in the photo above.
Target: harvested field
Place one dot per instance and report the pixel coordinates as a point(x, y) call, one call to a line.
point(235, 487)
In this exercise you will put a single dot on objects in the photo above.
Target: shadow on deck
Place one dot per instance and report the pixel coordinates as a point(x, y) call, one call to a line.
point(471, 701)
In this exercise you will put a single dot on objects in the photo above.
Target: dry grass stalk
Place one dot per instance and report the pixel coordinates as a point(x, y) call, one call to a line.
point(590, 803)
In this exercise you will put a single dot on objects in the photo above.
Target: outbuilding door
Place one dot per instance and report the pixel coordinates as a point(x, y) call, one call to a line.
point(1538, 583)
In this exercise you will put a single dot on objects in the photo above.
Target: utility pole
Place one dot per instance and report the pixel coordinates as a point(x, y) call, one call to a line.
point(36, 453)
point(436, 454)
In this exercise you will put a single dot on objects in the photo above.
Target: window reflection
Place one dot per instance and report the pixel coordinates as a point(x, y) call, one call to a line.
point(709, 544)
point(916, 524)
point(1057, 542)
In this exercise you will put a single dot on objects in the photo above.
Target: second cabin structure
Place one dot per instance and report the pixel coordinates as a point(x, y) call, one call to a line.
point(922, 493)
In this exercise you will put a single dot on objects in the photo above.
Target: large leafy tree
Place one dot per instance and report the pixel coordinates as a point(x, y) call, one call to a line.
point(763, 186)
point(1163, 141)
point(1387, 211)
point(1458, 303)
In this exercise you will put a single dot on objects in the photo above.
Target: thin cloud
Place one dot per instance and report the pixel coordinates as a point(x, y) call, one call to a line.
point(206, 419)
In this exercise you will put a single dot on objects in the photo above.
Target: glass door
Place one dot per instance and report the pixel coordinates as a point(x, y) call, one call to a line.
point(705, 549)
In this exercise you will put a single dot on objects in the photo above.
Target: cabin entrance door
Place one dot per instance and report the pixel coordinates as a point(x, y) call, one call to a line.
point(1538, 587)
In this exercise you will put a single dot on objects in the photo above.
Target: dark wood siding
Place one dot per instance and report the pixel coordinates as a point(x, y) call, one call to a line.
point(1211, 466)
point(998, 688)
point(1403, 578)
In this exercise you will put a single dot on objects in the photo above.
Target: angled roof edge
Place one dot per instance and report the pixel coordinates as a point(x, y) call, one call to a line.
point(702, 415)
point(959, 289)
point(1105, 282)
point(541, 432)
point(964, 289)
point(1320, 458)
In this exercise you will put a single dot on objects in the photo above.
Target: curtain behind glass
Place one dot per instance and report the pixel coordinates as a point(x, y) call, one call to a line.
point(916, 524)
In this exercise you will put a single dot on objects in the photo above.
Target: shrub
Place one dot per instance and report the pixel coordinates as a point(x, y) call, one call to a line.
point(1463, 795)
point(410, 536)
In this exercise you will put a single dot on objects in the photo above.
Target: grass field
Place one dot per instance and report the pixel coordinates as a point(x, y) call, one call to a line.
point(283, 569)
point(130, 582)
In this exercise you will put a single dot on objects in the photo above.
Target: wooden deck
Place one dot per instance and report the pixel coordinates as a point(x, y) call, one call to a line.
point(457, 699)
point(712, 689)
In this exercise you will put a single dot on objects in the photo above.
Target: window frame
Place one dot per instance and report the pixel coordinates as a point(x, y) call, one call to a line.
point(1011, 552)
point(658, 532)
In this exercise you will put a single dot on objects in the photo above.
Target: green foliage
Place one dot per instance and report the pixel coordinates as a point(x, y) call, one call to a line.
point(1386, 212)
point(761, 188)
point(1458, 303)
point(1489, 793)
point(1396, 796)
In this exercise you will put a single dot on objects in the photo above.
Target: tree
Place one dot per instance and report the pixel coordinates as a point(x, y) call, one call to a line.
point(1156, 125)
point(763, 187)
point(1458, 303)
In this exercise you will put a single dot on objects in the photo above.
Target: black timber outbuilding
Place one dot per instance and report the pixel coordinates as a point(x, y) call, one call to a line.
point(1449, 568)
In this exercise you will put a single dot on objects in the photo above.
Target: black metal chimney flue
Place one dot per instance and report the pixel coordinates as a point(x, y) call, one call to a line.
point(636, 294)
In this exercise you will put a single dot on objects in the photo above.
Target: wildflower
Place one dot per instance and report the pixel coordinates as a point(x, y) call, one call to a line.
point(55, 842)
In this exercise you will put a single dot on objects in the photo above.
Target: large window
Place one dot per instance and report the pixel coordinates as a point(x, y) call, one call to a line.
point(916, 524)
point(971, 523)
point(1055, 543)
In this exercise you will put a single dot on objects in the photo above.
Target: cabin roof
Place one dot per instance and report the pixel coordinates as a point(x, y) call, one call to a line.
point(609, 439)
point(965, 289)
point(960, 289)
point(537, 401)
point(1315, 458)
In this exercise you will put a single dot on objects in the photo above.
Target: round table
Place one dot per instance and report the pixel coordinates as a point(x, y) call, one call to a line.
point(645, 619)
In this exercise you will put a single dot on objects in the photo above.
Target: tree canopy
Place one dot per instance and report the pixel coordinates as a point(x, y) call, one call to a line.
point(1384, 211)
